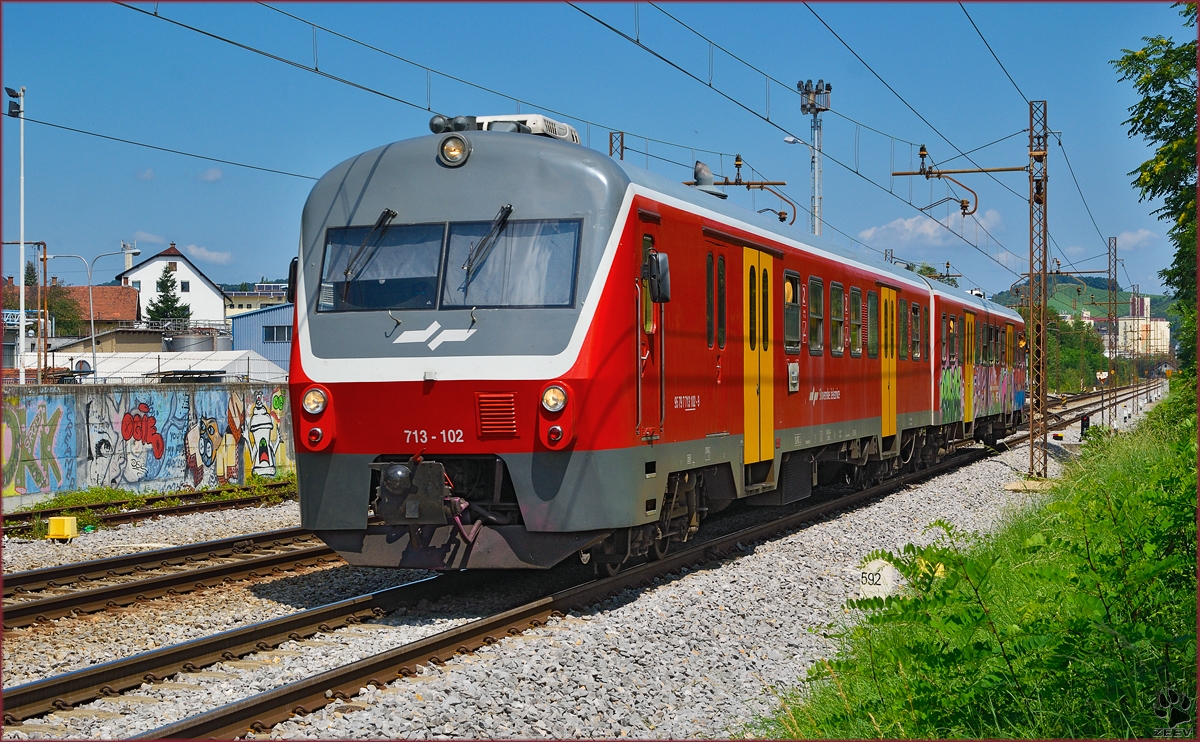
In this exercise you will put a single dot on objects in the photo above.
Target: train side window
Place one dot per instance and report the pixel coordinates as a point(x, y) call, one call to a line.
point(928, 332)
point(837, 314)
point(753, 303)
point(816, 316)
point(721, 302)
point(953, 338)
point(872, 325)
point(977, 349)
point(902, 317)
point(708, 300)
point(945, 338)
point(856, 318)
point(916, 331)
point(765, 288)
point(791, 312)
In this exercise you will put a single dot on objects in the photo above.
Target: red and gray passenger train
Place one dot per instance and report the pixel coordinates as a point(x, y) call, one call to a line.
point(510, 349)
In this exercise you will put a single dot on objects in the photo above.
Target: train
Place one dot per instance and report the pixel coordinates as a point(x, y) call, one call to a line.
point(510, 350)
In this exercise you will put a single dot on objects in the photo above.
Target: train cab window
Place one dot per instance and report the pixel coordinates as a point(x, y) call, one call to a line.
point(816, 316)
point(393, 268)
point(945, 338)
point(721, 302)
point(837, 314)
point(928, 333)
point(953, 337)
point(856, 318)
point(916, 331)
point(872, 325)
point(708, 300)
point(902, 317)
point(791, 312)
point(752, 281)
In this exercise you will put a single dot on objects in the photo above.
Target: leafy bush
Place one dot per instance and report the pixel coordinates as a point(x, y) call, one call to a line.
point(1070, 621)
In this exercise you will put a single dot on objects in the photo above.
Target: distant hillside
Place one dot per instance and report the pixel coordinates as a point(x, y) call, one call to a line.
point(1063, 292)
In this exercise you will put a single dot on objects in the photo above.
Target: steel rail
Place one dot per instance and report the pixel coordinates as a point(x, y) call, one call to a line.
point(268, 708)
point(264, 710)
point(17, 583)
point(90, 601)
point(89, 683)
point(22, 519)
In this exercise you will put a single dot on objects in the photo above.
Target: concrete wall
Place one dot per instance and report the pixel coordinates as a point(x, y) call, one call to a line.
point(145, 438)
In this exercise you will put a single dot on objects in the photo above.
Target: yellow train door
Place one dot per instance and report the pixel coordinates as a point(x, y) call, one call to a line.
point(968, 361)
point(757, 348)
point(887, 355)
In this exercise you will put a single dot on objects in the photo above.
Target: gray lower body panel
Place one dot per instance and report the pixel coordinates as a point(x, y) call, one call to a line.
point(443, 547)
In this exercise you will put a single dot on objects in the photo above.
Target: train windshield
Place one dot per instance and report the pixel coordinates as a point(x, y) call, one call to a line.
point(530, 263)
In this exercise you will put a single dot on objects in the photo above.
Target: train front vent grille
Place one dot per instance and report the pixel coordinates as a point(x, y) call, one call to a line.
point(497, 414)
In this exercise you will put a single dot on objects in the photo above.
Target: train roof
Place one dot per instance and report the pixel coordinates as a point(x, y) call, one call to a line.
point(787, 233)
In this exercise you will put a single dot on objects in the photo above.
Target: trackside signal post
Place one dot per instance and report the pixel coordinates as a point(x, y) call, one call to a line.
point(1038, 232)
point(815, 101)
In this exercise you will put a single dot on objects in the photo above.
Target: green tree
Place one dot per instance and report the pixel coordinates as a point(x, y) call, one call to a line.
point(1164, 74)
point(167, 305)
point(927, 270)
point(31, 277)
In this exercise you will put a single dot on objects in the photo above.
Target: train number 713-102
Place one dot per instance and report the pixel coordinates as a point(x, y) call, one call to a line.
point(440, 436)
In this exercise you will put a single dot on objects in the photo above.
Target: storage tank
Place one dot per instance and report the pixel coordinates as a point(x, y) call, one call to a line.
point(192, 343)
point(223, 342)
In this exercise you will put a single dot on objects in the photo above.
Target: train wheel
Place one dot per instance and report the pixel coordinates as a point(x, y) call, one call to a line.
point(607, 569)
point(658, 549)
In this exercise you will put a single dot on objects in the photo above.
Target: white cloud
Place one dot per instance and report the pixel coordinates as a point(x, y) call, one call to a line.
point(204, 255)
point(1134, 240)
point(147, 174)
point(1074, 251)
point(140, 236)
point(210, 175)
point(923, 231)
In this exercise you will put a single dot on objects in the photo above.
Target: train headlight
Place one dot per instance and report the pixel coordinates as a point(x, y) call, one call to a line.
point(554, 398)
point(454, 150)
point(314, 401)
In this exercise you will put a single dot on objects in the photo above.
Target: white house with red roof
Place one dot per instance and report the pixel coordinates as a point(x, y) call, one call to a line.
point(193, 287)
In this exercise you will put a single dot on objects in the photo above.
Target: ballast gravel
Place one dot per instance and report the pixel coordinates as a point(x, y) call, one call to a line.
point(695, 655)
point(21, 554)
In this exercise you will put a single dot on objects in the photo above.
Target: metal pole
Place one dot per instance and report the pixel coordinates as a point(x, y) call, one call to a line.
point(1112, 328)
point(1036, 330)
point(815, 168)
point(92, 318)
point(21, 282)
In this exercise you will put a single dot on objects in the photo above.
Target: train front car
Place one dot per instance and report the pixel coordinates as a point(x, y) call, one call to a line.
point(445, 289)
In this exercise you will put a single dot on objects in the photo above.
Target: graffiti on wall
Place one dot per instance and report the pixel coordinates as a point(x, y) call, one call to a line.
point(145, 438)
point(951, 388)
point(38, 443)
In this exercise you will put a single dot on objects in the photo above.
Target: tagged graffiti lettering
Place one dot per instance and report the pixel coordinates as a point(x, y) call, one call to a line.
point(31, 447)
point(141, 426)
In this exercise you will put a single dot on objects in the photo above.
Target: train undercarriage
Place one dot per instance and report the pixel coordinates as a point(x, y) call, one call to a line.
point(462, 511)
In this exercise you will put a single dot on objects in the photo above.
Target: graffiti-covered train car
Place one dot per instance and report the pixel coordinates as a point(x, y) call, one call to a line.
point(510, 349)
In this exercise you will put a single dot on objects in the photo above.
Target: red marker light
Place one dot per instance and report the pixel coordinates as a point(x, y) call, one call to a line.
point(314, 436)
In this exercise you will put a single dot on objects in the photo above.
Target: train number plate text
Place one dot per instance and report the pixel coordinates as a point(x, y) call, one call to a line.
point(433, 436)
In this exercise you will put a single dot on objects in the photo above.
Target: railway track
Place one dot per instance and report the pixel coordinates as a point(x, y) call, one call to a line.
point(194, 503)
point(260, 712)
point(87, 587)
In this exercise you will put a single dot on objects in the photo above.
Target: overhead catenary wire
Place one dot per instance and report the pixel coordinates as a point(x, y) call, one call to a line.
point(994, 56)
point(751, 111)
point(172, 151)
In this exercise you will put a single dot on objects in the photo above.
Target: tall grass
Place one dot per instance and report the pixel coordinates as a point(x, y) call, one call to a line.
point(1075, 619)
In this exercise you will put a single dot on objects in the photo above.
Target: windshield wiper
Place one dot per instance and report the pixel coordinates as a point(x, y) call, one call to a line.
point(484, 247)
point(381, 226)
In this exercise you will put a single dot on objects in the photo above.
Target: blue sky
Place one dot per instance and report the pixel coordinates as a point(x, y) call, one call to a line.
point(108, 69)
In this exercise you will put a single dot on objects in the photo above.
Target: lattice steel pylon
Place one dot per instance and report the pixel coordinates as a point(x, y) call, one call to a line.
point(1036, 329)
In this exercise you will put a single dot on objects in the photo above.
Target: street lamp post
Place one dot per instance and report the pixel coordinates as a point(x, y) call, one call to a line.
point(91, 305)
point(16, 108)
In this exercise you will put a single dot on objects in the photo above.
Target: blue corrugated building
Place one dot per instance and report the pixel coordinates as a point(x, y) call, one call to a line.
point(267, 332)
